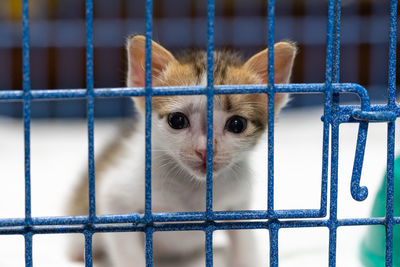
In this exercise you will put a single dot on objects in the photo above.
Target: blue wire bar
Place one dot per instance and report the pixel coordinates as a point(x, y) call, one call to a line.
point(271, 95)
point(273, 232)
point(389, 221)
point(331, 104)
point(90, 120)
point(210, 137)
point(26, 83)
point(88, 247)
point(313, 88)
point(148, 95)
point(210, 221)
point(64, 228)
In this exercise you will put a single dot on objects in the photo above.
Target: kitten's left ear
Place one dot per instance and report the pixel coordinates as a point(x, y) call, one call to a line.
point(160, 58)
point(284, 54)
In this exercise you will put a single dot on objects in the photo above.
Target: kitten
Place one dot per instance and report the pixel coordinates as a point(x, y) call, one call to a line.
point(179, 155)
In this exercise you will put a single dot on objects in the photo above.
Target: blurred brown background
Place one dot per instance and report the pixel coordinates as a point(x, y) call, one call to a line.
point(58, 43)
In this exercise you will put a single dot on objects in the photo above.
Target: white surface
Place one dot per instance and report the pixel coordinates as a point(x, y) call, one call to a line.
point(59, 155)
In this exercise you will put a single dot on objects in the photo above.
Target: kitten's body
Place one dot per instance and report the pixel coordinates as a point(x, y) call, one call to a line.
point(178, 156)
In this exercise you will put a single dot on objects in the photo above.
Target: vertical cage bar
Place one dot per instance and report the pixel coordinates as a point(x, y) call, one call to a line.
point(392, 53)
point(336, 43)
point(330, 45)
point(271, 40)
point(273, 245)
point(28, 250)
point(327, 104)
point(26, 83)
point(90, 107)
point(391, 136)
point(88, 249)
point(332, 75)
point(209, 246)
point(26, 107)
point(148, 108)
point(271, 113)
point(90, 122)
point(332, 221)
point(148, 87)
point(28, 218)
point(210, 107)
point(335, 132)
point(389, 222)
point(149, 246)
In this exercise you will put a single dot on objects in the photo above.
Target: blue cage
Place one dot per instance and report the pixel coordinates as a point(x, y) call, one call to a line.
point(209, 221)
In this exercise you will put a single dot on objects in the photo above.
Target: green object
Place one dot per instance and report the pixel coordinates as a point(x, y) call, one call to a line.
point(373, 244)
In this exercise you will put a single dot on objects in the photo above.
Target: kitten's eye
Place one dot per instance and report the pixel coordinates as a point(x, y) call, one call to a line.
point(236, 124)
point(178, 121)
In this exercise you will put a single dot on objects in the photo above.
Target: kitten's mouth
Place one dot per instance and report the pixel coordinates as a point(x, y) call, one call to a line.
point(202, 168)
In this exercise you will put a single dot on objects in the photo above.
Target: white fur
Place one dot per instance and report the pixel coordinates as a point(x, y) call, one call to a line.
point(178, 172)
point(176, 187)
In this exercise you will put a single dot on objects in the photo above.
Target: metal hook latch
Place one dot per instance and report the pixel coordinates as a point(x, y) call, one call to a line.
point(358, 192)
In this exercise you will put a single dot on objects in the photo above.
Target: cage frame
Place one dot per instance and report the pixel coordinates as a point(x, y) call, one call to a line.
point(210, 221)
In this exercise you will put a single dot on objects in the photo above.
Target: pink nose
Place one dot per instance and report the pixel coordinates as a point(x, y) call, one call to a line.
point(202, 154)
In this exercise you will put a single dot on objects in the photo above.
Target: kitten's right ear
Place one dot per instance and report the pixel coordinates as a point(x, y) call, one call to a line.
point(284, 54)
point(161, 57)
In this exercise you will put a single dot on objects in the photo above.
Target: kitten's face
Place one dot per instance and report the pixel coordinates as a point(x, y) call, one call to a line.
point(182, 132)
point(180, 122)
